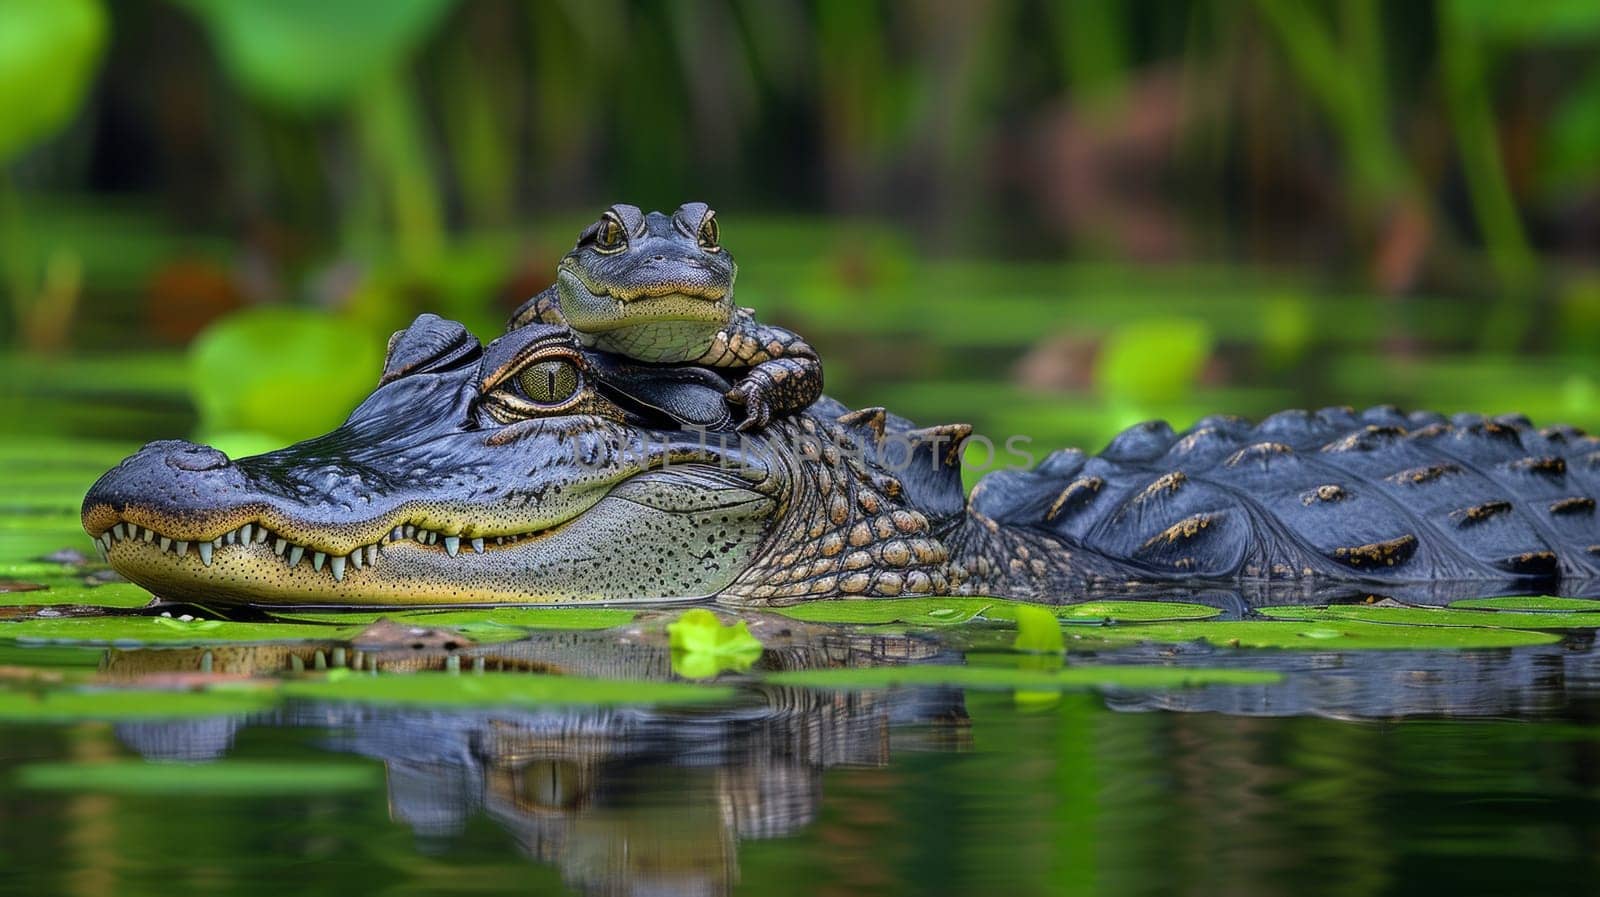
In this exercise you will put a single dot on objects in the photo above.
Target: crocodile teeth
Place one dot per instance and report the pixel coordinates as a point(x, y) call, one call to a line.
point(183, 548)
point(229, 537)
point(165, 543)
point(372, 554)
point(336, 565)
point(105, 540)
point(477, 545)
point(149, 535)
point(295, 554)
point(317, 560)
point(205, 552)
point(280, 545)
point(100, 549)
point(120, 531)
point(355, 558)
point(246, 534)
point(452, 545)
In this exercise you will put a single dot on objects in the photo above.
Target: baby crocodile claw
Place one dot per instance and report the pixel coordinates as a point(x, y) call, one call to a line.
point(752, 397)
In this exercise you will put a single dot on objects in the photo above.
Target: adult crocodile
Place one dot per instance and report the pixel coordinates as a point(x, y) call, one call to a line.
point(533, 471)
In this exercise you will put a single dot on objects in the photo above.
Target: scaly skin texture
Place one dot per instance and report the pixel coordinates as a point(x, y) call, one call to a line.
point(659, 289)
point(511, 473)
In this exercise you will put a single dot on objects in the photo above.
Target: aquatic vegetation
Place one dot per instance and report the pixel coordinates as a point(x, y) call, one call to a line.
point(1529, 602)
point(909, 611)
point(1038, 631)
point(1329, 634)
point(702, 646)
point(127, 630)
point(1434, 616)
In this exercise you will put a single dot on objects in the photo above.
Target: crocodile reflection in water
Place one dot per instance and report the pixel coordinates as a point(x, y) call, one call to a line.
point(638, 800)
point(623, 800)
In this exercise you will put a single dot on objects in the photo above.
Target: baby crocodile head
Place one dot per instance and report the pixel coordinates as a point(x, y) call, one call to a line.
point(472, 474)
point(651, 287)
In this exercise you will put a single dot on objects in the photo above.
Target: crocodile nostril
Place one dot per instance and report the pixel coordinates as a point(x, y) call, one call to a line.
point(197, 458)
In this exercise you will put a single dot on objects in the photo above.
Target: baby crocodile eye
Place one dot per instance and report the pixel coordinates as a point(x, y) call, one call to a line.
point(708, 235)
point(609, 237)
point(549, 382)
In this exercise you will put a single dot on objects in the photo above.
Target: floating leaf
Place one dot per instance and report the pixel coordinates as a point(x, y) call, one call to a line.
point(1529, 602)
point(910, 611)
point(128, 630)
point(702, 647)
point(1436, 616)
point(224, 778)
point(1119, 611)
point(1038, 630)
point(500, 689)
point(1331, 635)
point(1133, 677)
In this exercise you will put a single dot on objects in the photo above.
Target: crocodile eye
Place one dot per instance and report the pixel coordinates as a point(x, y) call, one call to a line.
point(709, 235)
point(609, 237)
point(549, 382)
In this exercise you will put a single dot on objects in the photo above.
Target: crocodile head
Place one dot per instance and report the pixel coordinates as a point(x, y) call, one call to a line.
point(653, 287)
point(472, 474)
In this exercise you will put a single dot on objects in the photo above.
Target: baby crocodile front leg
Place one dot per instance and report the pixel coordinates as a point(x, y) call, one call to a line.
point(785, 373)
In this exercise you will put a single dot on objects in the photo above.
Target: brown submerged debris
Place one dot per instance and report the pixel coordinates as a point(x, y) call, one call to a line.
point(16, 585)
point(387, 635)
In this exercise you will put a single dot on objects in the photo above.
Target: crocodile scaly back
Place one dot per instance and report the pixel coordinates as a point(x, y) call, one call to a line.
point(1378, 495)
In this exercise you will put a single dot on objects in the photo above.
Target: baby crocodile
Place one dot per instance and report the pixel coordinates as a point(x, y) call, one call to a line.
point(660, 289)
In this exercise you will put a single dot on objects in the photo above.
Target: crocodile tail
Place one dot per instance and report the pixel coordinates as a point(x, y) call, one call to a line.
point(1376, 495)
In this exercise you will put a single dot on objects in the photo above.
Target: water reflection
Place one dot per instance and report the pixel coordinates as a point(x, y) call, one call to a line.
point(622, 800)
point(658, 801)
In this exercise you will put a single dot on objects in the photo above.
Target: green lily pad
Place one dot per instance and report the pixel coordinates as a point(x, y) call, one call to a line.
point(123, 631)
point(1112, 611)
point(702, 647)
point(499, 689)
point(129, 704)
point(1436, 616)
point(474, 621)
point(1529, 602)
point(1323, 635)
point(226, 778)
point(910, 611)
point(1039, 631)
point(1139, 677)
point(72, 590)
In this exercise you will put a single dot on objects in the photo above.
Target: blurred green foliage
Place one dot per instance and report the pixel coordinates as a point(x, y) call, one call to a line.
point(48, 53)
point(1049, 218)
point(282, 373)
point(308, 56)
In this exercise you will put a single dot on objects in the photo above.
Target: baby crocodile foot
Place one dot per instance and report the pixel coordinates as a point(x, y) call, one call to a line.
point(751, 395)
